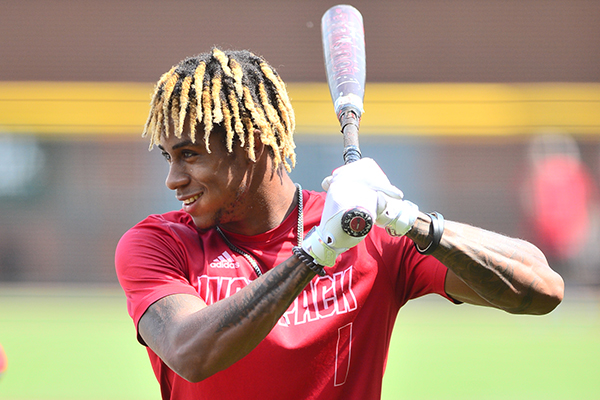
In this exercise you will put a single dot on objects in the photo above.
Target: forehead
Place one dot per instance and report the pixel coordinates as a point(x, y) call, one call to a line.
point(215, 146)
point(216, 135)
point(173, 142)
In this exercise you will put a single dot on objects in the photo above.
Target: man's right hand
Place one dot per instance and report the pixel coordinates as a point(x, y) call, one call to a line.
point(346, 219)
point(351, 207)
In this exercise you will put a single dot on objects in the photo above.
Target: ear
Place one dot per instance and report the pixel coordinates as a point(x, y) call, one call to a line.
point(260, 150)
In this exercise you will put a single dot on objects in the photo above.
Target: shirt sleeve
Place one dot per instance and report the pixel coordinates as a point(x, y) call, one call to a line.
point(413, 274)
point(151, 263)
point(420, 274)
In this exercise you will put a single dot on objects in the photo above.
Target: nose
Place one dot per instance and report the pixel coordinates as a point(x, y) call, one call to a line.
point(177, 177)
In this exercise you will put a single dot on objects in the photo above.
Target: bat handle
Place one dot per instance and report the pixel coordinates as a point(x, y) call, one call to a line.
point(349, 121)
point(356, 222)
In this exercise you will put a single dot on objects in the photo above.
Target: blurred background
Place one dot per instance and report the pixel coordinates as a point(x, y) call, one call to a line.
point(487, 111)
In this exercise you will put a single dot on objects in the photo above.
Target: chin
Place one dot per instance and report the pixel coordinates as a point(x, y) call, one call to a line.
point(203, 223)
point(204, 226)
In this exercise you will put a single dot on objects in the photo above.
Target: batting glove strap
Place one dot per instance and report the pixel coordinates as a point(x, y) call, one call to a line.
point(308, 261)
point(316, 247)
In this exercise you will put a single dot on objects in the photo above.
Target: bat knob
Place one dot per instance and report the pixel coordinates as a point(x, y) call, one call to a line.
point(357, 222)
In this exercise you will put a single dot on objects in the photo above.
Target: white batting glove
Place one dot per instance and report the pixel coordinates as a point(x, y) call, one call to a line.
point(364, 172)
point(351, 206)
point(346, 219)
point(394, 214)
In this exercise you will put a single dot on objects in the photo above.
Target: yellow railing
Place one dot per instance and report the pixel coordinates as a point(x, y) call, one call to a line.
point(117, 109)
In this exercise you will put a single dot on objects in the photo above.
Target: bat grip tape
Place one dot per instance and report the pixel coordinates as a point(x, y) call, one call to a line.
point(349, 122)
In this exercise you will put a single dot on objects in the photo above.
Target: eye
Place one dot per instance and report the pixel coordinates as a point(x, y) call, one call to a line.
point(188, 153)
point(166, 155)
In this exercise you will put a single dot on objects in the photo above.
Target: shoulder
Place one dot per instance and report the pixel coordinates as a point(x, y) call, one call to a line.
point(153, 258)
point(171, 232)
point(312, 197)
point(313, 206)
point(173, 219)
point(171, 223)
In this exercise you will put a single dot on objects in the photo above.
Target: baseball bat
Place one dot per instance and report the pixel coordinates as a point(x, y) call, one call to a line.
point(343, 37)
point(344, 52)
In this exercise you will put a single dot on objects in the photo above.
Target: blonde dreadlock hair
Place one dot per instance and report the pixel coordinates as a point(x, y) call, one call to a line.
point(235, 90)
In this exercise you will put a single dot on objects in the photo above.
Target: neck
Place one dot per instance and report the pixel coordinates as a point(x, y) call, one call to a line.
point(278, 203)
point(299, 234)
point(266, 207)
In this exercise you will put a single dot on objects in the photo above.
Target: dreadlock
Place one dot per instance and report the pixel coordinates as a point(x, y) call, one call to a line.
point(235, 90)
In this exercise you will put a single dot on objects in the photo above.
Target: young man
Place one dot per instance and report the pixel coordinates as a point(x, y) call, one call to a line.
point(230, 296)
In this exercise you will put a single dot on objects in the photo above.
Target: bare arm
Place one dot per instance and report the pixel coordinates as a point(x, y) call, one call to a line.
point(196, 340)
point(490, 269)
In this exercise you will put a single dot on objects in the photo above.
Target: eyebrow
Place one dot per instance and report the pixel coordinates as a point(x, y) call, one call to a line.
point(179, 145)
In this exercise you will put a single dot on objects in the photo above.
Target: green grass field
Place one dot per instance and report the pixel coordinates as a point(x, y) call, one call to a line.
point(79, 343)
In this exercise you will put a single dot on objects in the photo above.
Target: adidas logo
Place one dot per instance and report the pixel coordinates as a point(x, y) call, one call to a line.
point(224, 261)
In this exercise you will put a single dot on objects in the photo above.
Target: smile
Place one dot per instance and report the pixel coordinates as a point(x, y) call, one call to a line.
point(191, 199)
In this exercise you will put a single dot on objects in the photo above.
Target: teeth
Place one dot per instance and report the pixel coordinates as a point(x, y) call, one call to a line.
point(191, 199)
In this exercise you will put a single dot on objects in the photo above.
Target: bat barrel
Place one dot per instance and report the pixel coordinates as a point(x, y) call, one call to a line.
point(344, 53)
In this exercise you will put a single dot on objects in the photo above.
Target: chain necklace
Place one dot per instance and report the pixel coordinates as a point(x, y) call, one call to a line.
point(300, 234)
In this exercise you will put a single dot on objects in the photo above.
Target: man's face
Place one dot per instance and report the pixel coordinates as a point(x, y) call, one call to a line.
point(211, 186)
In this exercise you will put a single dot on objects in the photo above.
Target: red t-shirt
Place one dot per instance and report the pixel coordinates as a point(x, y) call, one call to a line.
point(333, 340)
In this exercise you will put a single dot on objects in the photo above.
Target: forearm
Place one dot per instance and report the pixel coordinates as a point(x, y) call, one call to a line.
point(239, 323)
point(211, 339)
point(508, 273)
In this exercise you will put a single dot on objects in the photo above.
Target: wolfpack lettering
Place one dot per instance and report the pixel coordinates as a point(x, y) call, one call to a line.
point(214, 288)
point(324, 297)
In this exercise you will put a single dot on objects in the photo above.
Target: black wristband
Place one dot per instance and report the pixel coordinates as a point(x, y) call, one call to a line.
point(308, 260)
point(436, 230)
